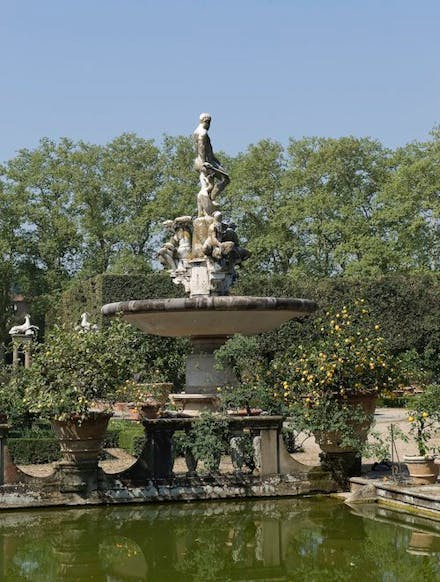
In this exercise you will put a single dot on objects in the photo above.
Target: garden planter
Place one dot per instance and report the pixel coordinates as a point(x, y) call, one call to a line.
point(330, 441)
point(148, 410)
point(81, 440)
point(149, 401)
point(157, 391)
point(245, 412)
point(422, 469)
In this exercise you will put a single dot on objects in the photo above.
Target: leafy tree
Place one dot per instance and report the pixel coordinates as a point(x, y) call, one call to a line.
point(126, 177)
point(256, 201)
point(410, 206)
point(177, 195)
point(39, 239)
point(333, 187)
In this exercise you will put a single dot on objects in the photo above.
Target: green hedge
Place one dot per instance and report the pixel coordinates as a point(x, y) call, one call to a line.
point(138, 445)
point(406, 306)
point(111, 438)
point(131, 439)
point(91, 294)
point(29, 451)
point(125, 435)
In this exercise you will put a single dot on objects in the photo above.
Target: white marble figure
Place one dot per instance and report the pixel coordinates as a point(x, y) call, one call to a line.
point(182, 234)
point(174, 252)
point(25, 328)
point(212, 175)
point(214, 245)
point(167, 255)
point(85, 325)
point(201, 253)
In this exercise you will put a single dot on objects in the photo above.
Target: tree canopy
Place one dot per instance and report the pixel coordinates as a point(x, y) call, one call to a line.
point(319, 207)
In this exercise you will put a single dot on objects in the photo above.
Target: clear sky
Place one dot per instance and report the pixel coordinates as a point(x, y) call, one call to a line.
point(93, 69)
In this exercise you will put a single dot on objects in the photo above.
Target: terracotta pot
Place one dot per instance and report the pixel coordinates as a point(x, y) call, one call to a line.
point(329, 441)
point(81, 440)
point(148, 410)
point(422, 469)
point(244, 412)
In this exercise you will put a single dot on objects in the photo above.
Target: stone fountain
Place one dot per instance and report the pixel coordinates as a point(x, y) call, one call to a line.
point(202, 255)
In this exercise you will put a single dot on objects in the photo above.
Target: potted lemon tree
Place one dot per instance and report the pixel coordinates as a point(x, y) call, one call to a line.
point(73, 381)
point(330, 386)
point(424, 419)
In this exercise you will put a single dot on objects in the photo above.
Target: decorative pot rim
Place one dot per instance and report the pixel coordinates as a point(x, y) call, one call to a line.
point(90, 415)
point(418, 458)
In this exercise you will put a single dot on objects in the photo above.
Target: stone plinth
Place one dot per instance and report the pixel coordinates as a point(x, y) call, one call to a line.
point(22, 344)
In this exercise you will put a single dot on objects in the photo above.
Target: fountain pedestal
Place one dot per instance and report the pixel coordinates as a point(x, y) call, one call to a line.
point(202, 378)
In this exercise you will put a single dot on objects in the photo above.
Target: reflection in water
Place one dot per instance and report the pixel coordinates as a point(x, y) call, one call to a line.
point(302, 539)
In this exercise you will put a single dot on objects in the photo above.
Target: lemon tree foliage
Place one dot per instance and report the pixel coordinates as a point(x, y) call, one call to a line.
point(321, 383)
point(349, 356)
point(424, 418)
point(73, 372)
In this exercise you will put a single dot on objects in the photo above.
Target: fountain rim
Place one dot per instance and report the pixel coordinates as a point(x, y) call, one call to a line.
point(211, 303)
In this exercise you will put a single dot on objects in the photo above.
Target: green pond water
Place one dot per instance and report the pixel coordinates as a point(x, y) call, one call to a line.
point(272, 540)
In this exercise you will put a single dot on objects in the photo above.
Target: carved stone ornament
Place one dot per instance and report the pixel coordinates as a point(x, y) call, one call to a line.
point(25, 328)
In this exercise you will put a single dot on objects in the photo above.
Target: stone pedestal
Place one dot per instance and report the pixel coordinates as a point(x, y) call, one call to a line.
point(199, 278)
point(202, 378)
point(22, 345)
point(81, 444)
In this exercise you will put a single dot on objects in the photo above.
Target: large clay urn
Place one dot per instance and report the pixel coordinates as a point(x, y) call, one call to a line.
point(81, 442)
point(330, 441)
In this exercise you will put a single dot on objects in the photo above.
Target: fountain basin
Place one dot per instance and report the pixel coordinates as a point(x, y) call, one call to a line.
point(210, 316)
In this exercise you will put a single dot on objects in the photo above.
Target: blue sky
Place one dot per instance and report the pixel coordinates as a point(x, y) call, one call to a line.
point(93, 69)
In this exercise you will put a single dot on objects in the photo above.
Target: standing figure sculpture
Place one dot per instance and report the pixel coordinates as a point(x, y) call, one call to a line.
point(213, 177)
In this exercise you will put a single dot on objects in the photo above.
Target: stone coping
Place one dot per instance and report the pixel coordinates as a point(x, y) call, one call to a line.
point(22, 496)
point(210, 316)
point(424, 499)
point(234, 422)
point(212, 303)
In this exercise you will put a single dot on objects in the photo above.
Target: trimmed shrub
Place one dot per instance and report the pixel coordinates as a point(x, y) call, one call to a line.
point(29, 451)
point(138, 445)
point(111, 438)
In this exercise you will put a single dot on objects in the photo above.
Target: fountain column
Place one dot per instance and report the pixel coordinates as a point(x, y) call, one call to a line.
point(202, 377)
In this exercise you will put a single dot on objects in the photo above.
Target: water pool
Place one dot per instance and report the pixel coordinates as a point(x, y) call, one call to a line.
point(272, 540)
